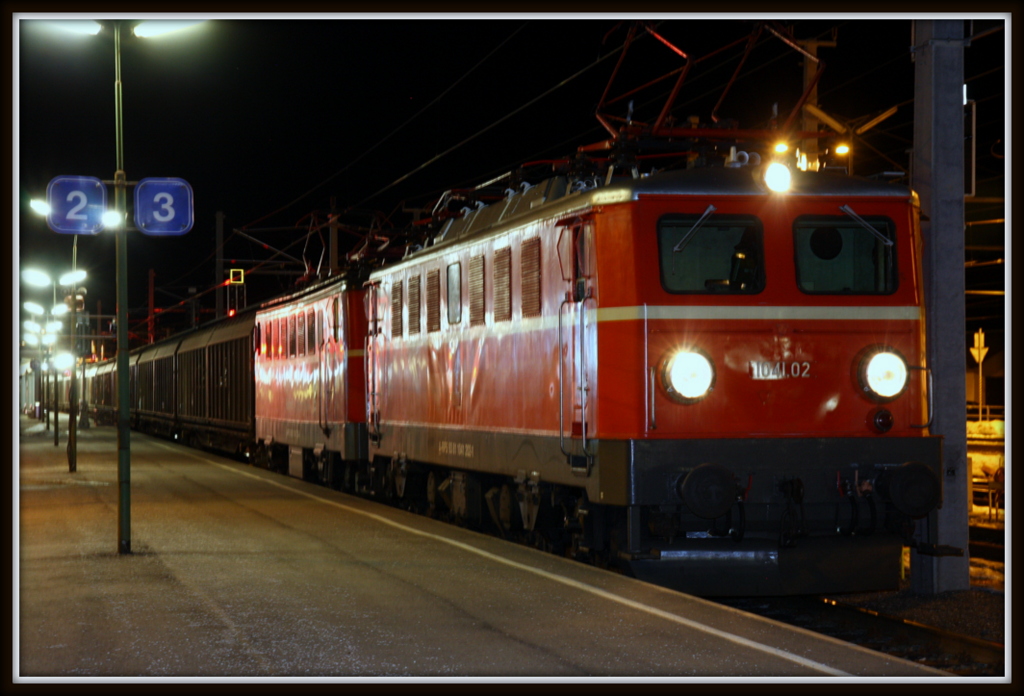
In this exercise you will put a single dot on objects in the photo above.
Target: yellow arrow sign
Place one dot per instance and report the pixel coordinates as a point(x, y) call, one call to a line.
point(979, 351)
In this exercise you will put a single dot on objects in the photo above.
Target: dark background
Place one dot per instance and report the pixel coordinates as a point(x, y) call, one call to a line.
point(268, 119)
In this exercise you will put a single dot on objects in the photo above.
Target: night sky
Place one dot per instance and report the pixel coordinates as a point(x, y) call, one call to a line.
point(268, 119)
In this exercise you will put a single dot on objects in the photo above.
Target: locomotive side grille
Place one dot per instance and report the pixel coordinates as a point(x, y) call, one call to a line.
point(414, 305)
point(434, 300)
point(531, 277)
point(396, 309)
point(476, 291)
point(502, 284)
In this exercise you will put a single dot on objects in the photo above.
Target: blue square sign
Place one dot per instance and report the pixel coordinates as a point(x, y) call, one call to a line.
point(77, 204)
point(163, 206)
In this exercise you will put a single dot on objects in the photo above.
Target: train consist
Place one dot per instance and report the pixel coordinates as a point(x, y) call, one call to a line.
point(715, 385)
point(712, 376)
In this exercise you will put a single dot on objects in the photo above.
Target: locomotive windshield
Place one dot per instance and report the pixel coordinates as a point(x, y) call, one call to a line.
point(711, 253)
point(840, 256)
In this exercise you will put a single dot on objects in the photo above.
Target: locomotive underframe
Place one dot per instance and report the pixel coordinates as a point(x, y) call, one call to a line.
point(806, 518)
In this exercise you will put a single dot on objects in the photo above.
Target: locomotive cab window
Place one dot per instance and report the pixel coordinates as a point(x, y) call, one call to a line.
point(711, 253)
point(837, 255)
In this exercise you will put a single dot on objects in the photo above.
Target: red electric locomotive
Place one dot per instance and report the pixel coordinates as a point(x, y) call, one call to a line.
point(714, 376)
point(719, 385)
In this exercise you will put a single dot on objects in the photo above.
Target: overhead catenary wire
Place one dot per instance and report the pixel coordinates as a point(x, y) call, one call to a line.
point(387, 137)
point(501, 120)
point(366, 152)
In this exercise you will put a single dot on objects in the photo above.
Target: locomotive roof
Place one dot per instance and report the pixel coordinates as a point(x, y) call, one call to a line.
point(743, 181)
point(556, 197)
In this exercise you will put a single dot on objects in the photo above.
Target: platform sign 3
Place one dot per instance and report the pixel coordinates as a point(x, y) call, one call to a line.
point(77, 204)
point(163, 206)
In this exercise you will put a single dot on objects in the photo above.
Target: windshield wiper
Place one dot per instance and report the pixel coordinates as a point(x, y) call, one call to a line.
point(686, 237)
point(864, 223)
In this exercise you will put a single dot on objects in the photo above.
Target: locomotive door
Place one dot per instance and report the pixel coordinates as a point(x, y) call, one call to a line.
point(576, 343)
point(333, 348)
point(374, 367)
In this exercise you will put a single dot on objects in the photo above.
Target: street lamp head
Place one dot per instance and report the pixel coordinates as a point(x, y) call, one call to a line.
point(73, 277)
point(41, 207)
point(150, 29)
point(86, 26)
point(34, 308)
point(53, 326)
point(32, 326)
point(35, 277)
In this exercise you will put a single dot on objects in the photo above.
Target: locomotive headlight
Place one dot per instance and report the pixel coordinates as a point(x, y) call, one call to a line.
point(688, 376)
point(777, 177)
point(884, 374)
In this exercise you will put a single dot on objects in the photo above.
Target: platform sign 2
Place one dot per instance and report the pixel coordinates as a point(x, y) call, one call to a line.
point(77, 204)
point(163, 206)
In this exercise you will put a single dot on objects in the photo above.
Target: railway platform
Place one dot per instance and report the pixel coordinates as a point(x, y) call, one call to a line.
point(240, 574)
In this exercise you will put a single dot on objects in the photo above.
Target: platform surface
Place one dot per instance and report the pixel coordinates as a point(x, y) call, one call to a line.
point(237, 573)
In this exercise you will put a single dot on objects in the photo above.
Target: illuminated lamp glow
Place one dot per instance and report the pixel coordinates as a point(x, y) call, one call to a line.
point(59, 309)
point(885, 374)
point(157, 27)
point(72, 277)
point(40, 207)
point(86, 26)
point(689, 375)
point(32, 339)
point(777, 177)
point(49, 339)
point(111, 218)
point(63, 361)
point(781, 147)
point(33, 308)
point(32, 326)
point(842, 149)
point(35, 277)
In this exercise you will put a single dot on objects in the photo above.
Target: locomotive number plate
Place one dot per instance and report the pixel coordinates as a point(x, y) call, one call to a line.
point(780, 369)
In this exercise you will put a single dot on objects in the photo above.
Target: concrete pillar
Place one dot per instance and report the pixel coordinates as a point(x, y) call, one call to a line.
point(938, 177)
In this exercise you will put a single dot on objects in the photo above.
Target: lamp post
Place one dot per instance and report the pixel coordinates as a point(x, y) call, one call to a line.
point(41, 280)
point(71, 280)
point(124, 535)
point(34, 337)
point(117, 221)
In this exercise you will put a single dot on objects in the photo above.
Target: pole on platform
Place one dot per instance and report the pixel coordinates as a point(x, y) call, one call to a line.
point(124, 533)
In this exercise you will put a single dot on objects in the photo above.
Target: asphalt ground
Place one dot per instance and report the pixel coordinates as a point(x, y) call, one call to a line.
point(237, 574)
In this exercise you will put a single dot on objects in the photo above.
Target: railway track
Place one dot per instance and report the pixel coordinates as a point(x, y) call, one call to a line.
point(961, 655)
point(987, 543)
